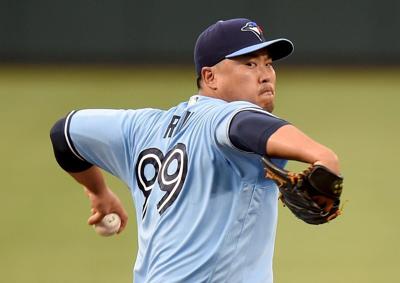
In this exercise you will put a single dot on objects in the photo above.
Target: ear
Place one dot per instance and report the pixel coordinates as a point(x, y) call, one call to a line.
point(209, 78)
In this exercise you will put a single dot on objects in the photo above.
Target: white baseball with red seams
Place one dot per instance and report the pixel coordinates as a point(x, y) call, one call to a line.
point(109, 225)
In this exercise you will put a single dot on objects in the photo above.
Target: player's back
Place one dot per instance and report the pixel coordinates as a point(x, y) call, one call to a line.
point(201, 204)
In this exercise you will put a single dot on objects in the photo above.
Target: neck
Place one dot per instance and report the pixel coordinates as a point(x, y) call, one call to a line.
point(204, 92)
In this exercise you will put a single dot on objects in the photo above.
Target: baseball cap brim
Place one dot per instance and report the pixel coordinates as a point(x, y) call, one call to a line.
point(277, 49)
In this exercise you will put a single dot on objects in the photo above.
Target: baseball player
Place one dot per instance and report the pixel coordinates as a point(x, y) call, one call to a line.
point(205, 212)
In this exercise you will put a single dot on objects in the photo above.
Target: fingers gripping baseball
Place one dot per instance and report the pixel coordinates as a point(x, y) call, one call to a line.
point(105, 203)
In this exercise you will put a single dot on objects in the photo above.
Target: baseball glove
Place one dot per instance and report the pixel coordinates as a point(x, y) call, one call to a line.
point(302, 192)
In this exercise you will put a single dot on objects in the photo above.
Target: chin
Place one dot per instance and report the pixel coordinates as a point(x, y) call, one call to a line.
point(267, 104)
point(268, 107)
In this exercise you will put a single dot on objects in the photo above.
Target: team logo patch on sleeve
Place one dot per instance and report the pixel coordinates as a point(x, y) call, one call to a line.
point(254, 28)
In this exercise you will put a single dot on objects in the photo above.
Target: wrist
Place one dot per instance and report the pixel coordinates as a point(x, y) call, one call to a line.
point(332, 166)
point(330, 161)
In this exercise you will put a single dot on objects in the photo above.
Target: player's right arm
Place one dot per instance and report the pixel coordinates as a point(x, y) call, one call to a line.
point(288, 142)
point(260, 132)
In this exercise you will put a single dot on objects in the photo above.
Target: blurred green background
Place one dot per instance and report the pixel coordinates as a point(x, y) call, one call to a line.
point(341, 86)
point(44, 236)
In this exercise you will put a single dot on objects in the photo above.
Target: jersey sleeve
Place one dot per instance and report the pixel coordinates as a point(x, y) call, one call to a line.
point(249, 130)
point(246, 127)
point(244, 156)
point(103, 138)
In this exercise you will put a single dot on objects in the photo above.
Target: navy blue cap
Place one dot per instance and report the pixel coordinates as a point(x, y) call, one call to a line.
point(235, 37)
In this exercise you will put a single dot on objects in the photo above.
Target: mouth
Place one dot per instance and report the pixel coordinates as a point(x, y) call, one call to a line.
point(267, 91)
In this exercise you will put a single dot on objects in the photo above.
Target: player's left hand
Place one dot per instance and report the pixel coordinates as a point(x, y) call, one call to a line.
point(105, 203)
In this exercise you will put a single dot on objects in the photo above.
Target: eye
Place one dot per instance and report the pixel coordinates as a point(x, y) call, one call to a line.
point(251, 64)
point(269, 65)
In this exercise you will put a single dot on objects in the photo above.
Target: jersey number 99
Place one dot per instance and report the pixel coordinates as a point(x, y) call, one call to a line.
point(168, 171)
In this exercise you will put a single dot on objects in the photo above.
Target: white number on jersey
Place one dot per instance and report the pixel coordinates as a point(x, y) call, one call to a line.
point(169, 171)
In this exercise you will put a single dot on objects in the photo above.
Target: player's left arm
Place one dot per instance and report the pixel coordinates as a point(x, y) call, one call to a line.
point(102, 198)
point(84, 171)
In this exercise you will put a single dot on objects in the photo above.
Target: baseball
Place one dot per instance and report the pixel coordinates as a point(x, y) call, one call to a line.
point(109, 225)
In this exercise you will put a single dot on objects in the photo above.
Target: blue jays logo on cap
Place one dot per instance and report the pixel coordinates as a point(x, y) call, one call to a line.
point(232, 38)
point(254, 28)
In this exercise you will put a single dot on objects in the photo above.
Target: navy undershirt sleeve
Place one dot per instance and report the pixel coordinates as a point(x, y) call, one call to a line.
point(62, 151)
point(250, 130)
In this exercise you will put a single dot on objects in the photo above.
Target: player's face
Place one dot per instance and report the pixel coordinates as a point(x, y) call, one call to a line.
point(249, 77)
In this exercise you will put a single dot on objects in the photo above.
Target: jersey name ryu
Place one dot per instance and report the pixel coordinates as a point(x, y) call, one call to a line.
point(174, 123)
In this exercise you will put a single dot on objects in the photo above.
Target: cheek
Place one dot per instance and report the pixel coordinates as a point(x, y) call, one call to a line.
point(243, 85)
point(273, 75)
point(231, 83)
point(238, 84)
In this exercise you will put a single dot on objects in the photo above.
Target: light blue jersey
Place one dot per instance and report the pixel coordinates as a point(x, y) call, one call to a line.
point(205, 212)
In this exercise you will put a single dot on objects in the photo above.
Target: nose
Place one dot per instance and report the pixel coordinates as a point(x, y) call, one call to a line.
point(266, 74)
point(265, 80)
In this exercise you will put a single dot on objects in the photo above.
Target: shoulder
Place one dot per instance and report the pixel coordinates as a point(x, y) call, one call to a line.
point(237, 105)
point(218, 107)
point(226, 111)
point(146, 114)
point(112, 113)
